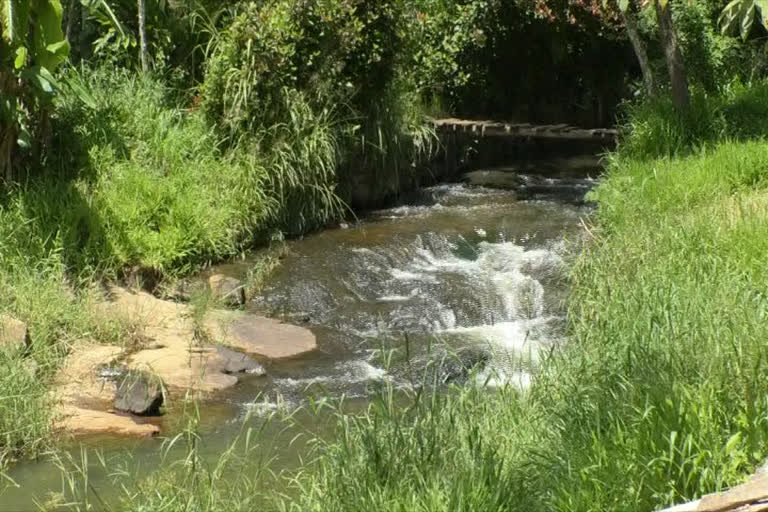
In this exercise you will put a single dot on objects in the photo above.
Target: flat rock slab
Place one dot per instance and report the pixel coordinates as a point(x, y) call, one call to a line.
point(184, 362)
point(255, 334)
point(183, 355)
point(82, 422)
point(183, 366)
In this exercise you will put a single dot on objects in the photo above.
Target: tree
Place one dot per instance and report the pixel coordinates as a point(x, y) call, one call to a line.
point(678, 76)
point(673, 57)
point(143, 36)
point(630, 22)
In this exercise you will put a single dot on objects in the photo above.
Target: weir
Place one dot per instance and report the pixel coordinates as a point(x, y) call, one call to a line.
point(524, 130)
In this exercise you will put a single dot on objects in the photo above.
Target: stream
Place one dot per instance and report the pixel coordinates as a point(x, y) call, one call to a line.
point(472, 271)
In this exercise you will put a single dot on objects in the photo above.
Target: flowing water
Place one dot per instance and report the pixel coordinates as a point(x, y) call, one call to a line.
point(454, 268)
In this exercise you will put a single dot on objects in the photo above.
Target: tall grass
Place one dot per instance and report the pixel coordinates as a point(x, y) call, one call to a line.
point(387, 151)
point(169, 196)
point(656, 128)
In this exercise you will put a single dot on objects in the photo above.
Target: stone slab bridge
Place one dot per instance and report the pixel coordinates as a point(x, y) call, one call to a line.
point(523, 130)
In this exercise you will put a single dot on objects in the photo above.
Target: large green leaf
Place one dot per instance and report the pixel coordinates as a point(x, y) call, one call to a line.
point(747, 19)
point(762, 10)
point(14, 21)
point(738, 17)
point(50, 46)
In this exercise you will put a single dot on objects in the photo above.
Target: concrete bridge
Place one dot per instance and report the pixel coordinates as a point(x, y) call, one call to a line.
point(524, 130)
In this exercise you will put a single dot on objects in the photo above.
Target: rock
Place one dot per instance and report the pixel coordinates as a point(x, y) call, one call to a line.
point(183, 290)
point(14, 335)
point(139, 393)
point(82, 396)
point(506, 180)
point(231, 361)
point(256, 334)
point(227, 289)
point(183, 364)
point(448, 367)
point(80, 421)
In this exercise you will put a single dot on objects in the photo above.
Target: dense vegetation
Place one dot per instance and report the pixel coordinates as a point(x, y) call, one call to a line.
point(251, 121)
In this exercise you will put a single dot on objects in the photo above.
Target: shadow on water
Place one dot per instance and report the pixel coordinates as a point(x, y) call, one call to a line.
point(458, 269)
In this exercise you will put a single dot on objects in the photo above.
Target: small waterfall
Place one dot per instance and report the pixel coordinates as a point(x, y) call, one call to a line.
point(472, 267)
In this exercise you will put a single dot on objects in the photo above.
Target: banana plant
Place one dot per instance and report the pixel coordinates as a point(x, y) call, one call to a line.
point(32, 46)
point(739, 16)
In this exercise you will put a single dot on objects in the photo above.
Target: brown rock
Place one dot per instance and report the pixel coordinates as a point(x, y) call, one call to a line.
point(176, 355)
point(227, 289)
point(256, 334)
point(14, 335)
point(79, 421)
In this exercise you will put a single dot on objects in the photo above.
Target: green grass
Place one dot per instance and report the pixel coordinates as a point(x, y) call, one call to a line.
point(655, 128)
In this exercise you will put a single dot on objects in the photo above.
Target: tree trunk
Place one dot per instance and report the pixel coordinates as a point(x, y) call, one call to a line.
point(675, 64)
point(639, 47)
point(143, 36)
point(72, 14)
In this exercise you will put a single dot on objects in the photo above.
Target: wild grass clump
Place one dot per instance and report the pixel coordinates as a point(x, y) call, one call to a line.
point(426, 450)
point(655, 128)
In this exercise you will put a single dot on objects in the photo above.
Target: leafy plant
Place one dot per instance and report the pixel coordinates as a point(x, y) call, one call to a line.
point(739, 16)
point(32, 46)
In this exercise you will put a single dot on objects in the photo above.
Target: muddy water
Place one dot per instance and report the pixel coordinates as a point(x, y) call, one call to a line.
point(455, 267)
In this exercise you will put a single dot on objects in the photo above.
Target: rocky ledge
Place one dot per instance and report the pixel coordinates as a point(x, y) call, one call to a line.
point(179, 354)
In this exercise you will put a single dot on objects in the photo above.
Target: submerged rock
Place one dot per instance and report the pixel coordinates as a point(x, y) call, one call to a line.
point(442, 366)
point(139, 393)
point(227, 289)
point(231, 361)
point(494, 178)
point(14, 335)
